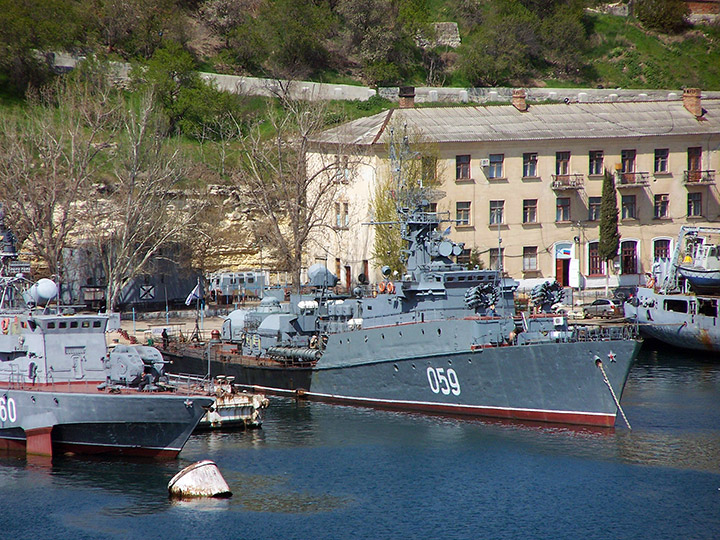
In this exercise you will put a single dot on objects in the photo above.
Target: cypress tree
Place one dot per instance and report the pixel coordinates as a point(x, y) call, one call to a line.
point(609, 234)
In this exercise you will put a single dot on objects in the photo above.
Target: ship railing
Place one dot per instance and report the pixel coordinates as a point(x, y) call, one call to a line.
point(188, 384)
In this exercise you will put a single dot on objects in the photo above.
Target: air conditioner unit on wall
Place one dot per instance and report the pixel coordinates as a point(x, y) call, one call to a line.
point(485, 162)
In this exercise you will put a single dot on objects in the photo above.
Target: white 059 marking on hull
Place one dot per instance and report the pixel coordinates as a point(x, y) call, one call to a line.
point(443, 382)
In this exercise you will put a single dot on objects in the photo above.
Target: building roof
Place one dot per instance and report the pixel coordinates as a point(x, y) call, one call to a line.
point(540, 122)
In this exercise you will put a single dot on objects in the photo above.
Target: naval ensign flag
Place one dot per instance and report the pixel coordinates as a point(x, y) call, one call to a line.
point(194, 294)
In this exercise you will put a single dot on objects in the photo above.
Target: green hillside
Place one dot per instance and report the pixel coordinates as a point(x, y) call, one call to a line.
point(372, 42)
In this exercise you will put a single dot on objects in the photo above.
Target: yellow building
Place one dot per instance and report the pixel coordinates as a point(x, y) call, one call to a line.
point(528, 178)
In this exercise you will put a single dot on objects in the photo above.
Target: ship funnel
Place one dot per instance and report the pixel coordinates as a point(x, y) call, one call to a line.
point(41, 292)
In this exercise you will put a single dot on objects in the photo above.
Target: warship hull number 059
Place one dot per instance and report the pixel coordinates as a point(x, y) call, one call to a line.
point(442, 339)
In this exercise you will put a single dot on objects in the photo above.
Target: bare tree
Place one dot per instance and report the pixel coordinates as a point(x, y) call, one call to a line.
point(131, 218)
point(291, 195)
point(417, 165)
point(48, 153)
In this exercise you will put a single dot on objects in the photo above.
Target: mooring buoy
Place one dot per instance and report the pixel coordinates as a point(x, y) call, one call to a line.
point(201, 479)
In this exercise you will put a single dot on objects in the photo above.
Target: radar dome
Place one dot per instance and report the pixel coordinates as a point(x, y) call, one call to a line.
point(42, 291)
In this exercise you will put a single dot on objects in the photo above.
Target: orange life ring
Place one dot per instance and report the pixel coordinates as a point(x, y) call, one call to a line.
point(5, 324)
point(381, 287)
point(650, 283)
point(390, 288)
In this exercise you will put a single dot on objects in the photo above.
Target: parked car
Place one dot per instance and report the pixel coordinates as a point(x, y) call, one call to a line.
point(569, 311)
point(602, 307)
point(623, 293)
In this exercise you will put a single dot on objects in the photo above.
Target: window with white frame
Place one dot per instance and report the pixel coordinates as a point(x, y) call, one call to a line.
point(596, 162)
point(661, 249)
point(496, 212)
point(662, 202)
point(628, 257)
point(562, 163)
point(628, 206)
point(562, 209)
point(530, 165)
point(694, 204)
point(661, 160)
point(496, 166)
point(342, 215)
point(495, 261)
point(594, 208)
point(462, 212)
point(595, 263)
point(529, 258)
point(462, 167)
point(530, 211)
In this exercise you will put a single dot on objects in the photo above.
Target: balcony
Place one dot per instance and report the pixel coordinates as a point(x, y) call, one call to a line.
point(704, 178)
point(631, 179)
point(562, 182)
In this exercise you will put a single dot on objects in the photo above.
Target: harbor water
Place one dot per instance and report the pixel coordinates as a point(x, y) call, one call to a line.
point(317, 471)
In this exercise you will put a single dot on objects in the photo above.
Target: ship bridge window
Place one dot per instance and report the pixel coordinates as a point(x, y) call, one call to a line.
point(679, 306)
point(96, 324)
point(86, 324)
point(449, 278)
point(62, 324)
point(51, 325)
point(73, 324)
point(707, 307)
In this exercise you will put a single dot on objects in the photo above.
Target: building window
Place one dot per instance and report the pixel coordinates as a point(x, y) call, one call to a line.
point(342, 170)
point(694, 164)
point(496, 166)
point(495, 263)
point(595, 264)
point(342, 215)
point(462, 213)
point(628, 161)
point(496, 212)
point(629, 208)
point(661, 160)
point(529, 258)
point(464, 258)
point(530, 211)
point(661, 205)
point(594, 208)
point(530, 165)
point(430, 208)
point(661, 249)
point(462, 167)
point(596, 162)
point(562, 210)
point(694, 207)
point(429, 169)
point(562, 162)
point(628, 254)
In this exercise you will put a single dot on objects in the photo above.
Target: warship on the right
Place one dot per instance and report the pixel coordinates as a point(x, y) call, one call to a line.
point(679, 303)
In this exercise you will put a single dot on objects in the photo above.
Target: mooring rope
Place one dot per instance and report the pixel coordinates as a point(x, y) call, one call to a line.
point(617, 402)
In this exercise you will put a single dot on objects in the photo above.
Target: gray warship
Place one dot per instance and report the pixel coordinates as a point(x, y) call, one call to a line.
point(62, 390)
point(679, 303)
point(440, 339)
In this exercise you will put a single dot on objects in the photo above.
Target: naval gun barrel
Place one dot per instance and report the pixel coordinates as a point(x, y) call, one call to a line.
point(303, 353)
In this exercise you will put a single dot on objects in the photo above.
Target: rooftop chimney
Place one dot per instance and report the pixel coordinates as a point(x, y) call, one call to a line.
point(518, 100)
point(692, 101)
point(407, 97)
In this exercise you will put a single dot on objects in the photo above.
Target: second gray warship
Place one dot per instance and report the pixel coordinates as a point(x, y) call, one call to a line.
point(441, 339)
